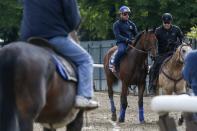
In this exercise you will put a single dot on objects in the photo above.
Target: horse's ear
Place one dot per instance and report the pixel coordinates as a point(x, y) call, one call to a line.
point(147, 29)
point(154, 28)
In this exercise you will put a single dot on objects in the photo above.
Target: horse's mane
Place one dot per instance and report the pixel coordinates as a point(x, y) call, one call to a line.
point(138, 36)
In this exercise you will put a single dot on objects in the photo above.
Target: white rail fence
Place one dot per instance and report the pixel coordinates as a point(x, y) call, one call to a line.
point(101, 84)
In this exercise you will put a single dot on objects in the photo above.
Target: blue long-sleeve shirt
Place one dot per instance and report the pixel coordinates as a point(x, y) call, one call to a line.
point(124, 30)
point(190, 70)
point(49, 18)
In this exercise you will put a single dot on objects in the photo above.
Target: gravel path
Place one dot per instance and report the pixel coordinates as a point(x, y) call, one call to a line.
point(99, 120)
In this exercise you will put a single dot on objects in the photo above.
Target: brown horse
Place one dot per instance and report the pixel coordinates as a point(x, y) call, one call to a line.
point(170, 77)
point(132, 71)
point(31, 90)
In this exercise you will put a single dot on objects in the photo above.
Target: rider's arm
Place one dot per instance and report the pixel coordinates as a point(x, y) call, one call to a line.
point(180, 34)
point(71, 14)
point(135, 31)
point(117, 34)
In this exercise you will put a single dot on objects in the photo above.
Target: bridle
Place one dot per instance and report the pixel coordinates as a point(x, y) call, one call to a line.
point(146, 51)
point(166, 75)
point(181, 49)
point(142, 51)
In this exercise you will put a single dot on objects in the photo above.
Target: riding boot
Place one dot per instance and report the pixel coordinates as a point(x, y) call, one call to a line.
point(150, 81)
point(152, 90)
point(152, 86)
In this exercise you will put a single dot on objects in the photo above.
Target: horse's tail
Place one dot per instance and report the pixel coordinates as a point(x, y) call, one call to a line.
point(8, 114)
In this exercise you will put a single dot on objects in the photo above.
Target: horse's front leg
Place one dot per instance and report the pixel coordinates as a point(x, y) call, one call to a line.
point(140, 102)
point(123, 103)
point(111, 98)
point(25, 123)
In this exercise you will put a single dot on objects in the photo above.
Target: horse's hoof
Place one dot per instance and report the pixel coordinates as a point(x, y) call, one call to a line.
point(180, 121)
point(114, 117)
point(121, 120)
point(142, 122)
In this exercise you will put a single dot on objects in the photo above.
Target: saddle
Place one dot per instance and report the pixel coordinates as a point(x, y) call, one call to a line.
point(111, 60)
point(64, 67)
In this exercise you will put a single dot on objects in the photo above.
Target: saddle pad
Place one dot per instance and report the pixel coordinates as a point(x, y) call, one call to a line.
point(111, 60)
point(64, 68)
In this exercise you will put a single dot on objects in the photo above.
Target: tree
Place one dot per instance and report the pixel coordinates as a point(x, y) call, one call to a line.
point(99, 15)
point(192, 33)
point(10, 17)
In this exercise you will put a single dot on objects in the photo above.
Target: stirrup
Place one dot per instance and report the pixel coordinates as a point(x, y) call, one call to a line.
point(113, 69)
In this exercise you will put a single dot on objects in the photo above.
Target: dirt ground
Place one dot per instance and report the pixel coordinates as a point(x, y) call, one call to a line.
point(100, 119)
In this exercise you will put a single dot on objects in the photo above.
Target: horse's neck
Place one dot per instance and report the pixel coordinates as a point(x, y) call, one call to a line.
point(174, 64)
point(139, 56)
point(139, 46)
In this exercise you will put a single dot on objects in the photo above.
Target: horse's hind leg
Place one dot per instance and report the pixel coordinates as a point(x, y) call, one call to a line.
point(110, 81)
point(77, 124)
point(30, 99)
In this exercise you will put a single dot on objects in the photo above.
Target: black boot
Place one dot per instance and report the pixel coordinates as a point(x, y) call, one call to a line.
point(152, 90)
point(152, 87)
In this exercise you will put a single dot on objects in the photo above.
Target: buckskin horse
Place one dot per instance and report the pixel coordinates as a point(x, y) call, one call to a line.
point(132, 71)
point(31, 90)
point(170, 77)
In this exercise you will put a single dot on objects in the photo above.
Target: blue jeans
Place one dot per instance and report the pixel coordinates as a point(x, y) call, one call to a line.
point(81, 58)
point(121, 52)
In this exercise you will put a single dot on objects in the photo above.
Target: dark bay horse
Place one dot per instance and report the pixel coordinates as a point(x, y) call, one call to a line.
point(133, 70)
point(32, 91)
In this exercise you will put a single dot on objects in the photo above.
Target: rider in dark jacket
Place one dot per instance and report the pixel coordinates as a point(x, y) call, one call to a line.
point(169, 38)
point(54, 20)
point(124, 31)
point(190, 71)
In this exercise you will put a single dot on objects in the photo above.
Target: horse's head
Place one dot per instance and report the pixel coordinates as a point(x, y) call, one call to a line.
point(182, 51)
point(150, 41)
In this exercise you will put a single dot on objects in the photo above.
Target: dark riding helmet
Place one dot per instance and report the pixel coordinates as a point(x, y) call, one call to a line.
point(124, 9)
point(166, 17)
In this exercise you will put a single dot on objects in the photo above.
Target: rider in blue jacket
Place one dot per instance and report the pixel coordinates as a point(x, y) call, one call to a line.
point(190, 70)
point(124, 31)
point(54, 20)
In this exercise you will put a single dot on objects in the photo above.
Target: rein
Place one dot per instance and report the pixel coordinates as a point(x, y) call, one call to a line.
point(167, 76)
point(140, 50)
point(172, 79)
point(180, 51)
point(145, 52)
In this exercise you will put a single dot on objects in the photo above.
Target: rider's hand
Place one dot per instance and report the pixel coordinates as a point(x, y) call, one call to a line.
point(129, 41)
point(153, 58)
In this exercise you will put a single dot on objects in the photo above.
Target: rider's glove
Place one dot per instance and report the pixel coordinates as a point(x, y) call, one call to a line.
point(128, 41)
point(153, 58)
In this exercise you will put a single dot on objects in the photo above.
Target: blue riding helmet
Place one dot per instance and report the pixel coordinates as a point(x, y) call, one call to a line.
point(167, 17)
point(124, 9)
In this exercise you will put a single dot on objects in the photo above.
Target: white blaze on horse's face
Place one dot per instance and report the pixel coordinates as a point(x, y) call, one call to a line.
point(184, 50)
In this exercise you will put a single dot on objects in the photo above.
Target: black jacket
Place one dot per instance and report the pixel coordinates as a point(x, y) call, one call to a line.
point(169, 39)
point(49, 18)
